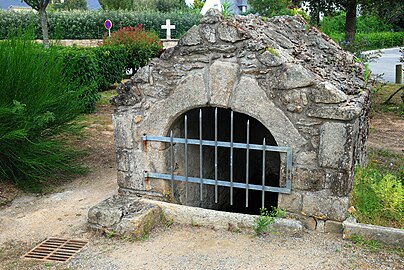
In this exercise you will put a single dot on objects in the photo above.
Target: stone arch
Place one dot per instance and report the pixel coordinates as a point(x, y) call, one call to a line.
point(189, 194)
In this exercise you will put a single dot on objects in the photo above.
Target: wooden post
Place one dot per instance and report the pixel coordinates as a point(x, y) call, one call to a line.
point(399, 74)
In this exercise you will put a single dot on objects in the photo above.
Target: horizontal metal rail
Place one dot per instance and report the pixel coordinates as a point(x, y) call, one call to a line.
point(216, 144)
point(281, 149)
point(213, 182)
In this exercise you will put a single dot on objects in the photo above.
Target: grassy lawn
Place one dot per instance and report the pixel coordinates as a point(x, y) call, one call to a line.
point(381, 94)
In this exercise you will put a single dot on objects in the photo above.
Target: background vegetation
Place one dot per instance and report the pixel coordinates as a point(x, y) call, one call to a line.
point(90, 24)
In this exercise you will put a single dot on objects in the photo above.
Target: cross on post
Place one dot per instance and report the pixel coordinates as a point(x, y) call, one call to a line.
point(168, 28)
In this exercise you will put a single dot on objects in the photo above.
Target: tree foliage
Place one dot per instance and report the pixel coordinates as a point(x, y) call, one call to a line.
point(70, 4)
point(270, 8)
point(391, 11)
point(159, 5)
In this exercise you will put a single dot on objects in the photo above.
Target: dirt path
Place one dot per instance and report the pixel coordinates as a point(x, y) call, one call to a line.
point(30, 219)
point(387, 132)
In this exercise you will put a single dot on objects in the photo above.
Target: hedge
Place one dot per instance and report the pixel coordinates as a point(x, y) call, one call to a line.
point(90, 24)
point(374, 41)
point(364, 24)
point(91, 70)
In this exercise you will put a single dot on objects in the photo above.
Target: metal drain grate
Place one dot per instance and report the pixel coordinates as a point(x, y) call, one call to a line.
point(56, 249)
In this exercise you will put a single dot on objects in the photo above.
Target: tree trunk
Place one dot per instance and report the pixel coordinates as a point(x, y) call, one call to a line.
point(316, 13)
point(350, 22)
point(44, 23)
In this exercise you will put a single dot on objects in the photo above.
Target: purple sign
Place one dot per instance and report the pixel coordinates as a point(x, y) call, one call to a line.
point(108, 24)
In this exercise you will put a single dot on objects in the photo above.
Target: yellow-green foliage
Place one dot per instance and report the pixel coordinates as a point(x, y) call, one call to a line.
point(378, 198)
point(390, 193)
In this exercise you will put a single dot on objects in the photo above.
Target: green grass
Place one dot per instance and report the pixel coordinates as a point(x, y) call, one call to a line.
point(106, 96)
point(381, 92)
point(266, 218)
point(378, 192)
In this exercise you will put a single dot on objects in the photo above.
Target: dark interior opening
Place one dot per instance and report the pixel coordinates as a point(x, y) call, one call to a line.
point(257, 133)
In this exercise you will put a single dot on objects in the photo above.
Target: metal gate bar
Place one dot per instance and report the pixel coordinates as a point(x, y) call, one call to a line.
point(231, 184)
point(207, 181)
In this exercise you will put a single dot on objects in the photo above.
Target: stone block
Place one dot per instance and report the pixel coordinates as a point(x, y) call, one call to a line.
point(346, 113)
point(325, 92)
point(309, 223)
point(306, 158)
point(123, 130)
point(142, 75)
point(295, 76)
point(123, 157)
point(291, 202)
point(269, 59)
point(229, 33)
point(332, 226)
point(335, 146)
point(223, 76)
point(339, 183)
point(320, 227)
point(191, 38)
point(324, 206)
point(209, 33)
point(125, 216)
point(385, 235)
point(309, 179)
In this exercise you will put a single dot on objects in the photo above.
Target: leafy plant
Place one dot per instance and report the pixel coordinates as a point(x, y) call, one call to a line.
point(36, 108)
point(140, 45)
point(226, 9)
point(270, 8)
point(266, 218)
point(365, 24)
point(378, 198)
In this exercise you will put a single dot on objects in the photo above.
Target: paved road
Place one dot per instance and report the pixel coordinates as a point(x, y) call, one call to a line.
point(386, 64)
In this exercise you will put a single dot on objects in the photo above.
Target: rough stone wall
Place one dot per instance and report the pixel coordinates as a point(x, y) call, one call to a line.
point(298, 83)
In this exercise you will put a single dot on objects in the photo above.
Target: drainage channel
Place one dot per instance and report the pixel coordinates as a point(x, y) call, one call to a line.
point(56, 249)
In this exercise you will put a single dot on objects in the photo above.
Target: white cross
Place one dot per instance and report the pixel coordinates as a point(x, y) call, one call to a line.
point(168, 27)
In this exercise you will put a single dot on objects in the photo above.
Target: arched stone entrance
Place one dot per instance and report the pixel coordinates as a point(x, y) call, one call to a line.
point(257, 132)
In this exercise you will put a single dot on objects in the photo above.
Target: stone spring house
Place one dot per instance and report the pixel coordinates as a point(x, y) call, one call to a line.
point(296, 88)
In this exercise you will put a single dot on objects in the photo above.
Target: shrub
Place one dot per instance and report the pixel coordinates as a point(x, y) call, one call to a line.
point(378, 198)
point(35, 108)
point(373, 41)
point(90, 24)
point(92, 70)
point(140, 45)
point(364, 24)
point(81, 66)
point(111, 64)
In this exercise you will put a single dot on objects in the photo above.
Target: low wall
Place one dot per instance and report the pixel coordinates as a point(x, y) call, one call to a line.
point(167, 43)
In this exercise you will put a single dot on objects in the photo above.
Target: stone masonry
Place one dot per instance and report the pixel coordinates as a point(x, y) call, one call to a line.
point(309, 93)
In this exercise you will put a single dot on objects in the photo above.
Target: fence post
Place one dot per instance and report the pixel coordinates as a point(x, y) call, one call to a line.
point(399, 74)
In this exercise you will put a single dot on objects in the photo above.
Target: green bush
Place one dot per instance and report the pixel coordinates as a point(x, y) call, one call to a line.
point(35, 108)
point(111, 64)
point(373, 41)
point(92, 70)
point(90, 24)
point(81, 66)
point(378, 198)
point(364, 24)
point(140, 45)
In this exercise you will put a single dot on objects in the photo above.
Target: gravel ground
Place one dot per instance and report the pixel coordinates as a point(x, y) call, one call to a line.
point(29, 219)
